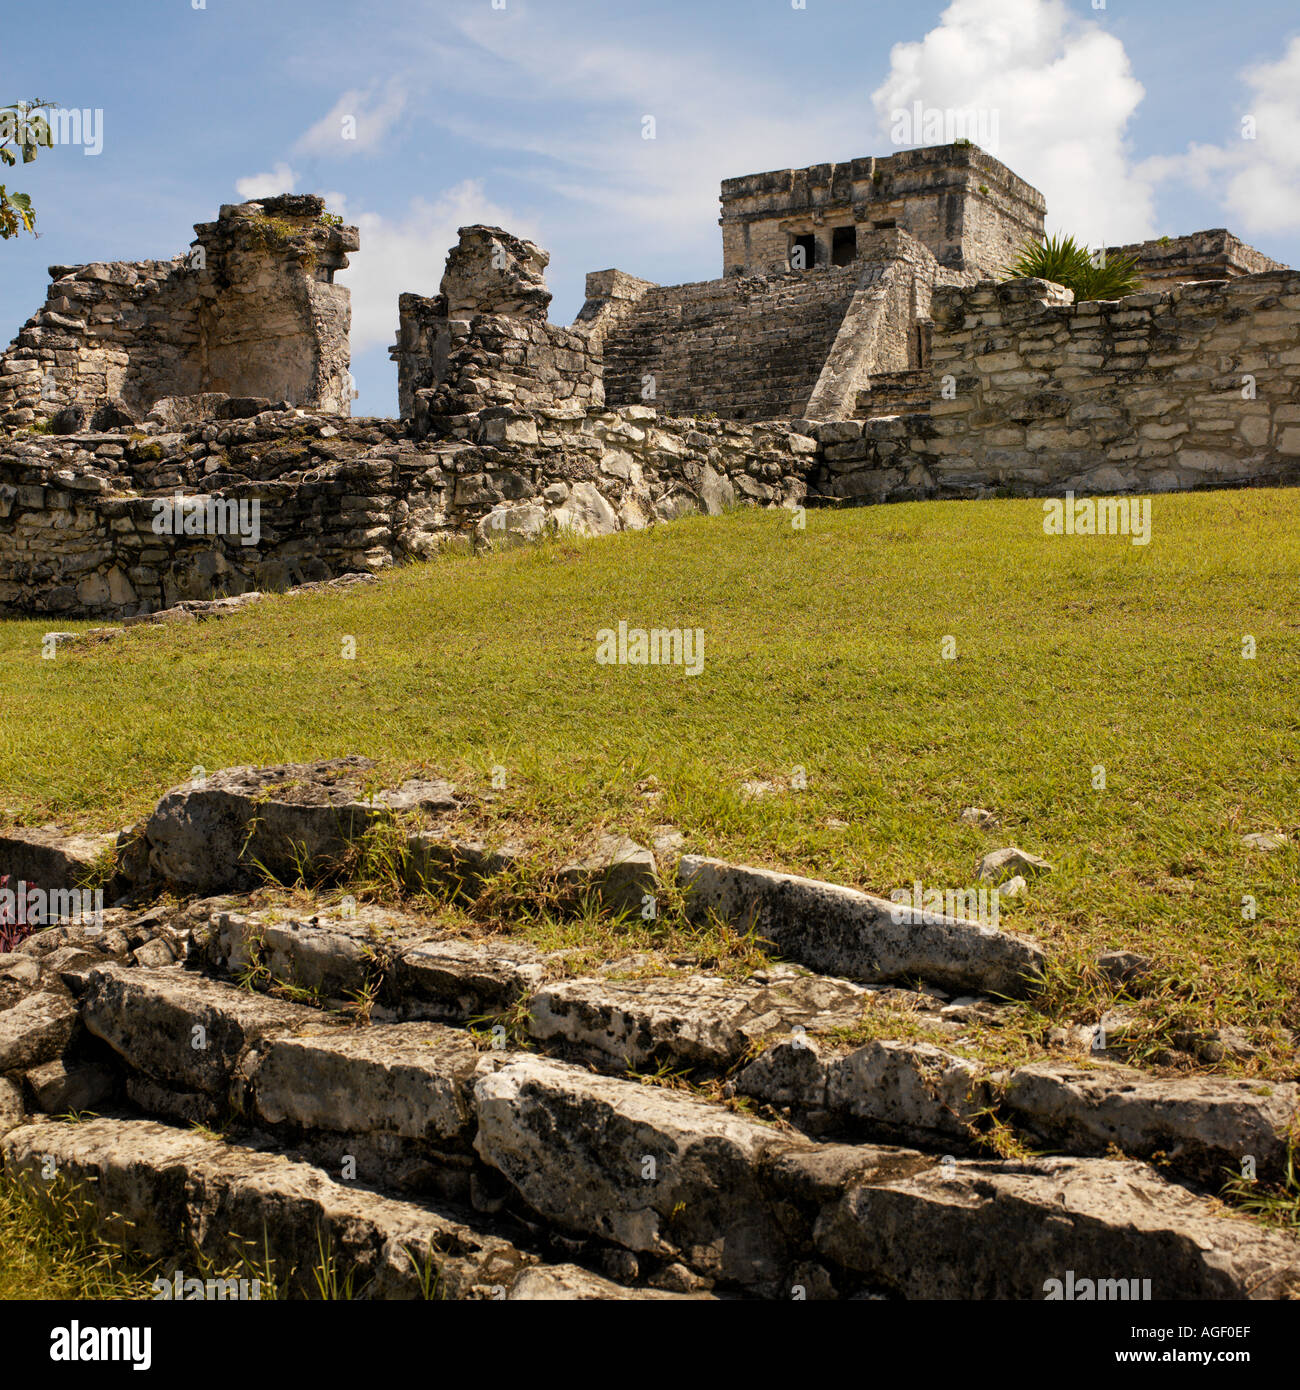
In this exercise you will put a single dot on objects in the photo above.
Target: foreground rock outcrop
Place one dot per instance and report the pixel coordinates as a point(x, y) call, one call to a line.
point(475, 1117)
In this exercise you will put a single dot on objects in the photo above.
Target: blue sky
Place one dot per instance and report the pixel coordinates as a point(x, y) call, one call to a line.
point(529, 113)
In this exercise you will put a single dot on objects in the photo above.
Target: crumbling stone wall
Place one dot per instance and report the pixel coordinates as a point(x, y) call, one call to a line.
point(1033, 394)
point(611, 296)
point(252, 310)
point(77, 514)
point(484, 339)
point(1214, 254)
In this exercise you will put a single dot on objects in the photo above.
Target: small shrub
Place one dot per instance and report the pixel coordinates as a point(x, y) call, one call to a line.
point(1067, 262)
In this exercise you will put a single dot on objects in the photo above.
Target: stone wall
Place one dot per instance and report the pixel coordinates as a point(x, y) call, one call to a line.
point(251, 310)
point(611, 296)
point(968, 208)
point(1214, 254)
point(484, 339)
point(1032, 394)
point(745, 348)
point(492, 359)
point(79, 530)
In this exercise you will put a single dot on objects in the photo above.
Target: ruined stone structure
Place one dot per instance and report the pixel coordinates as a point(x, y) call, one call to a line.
point(969, 209)
point(1211, 255)
point(907, 371)
point(828, 277)
point(484, 339)
point(252, 310)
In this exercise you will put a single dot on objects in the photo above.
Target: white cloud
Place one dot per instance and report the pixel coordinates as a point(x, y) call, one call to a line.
point(408, 254)
point(358, 121)
point(1063, 90)
point(281, 179)
point(1256, 181)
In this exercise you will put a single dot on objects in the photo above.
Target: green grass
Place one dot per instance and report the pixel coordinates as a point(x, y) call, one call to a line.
point(52, 1246)
point(49, 1249)
point(822, 650)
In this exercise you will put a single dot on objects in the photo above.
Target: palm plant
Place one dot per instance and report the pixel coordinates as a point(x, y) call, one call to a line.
point(1067, 262)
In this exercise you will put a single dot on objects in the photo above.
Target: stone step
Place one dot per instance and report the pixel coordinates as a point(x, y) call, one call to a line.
point(898, 1091)
point(391, 1100)
point(414, 970)
point(52, 861)
point(169, 1192)
point(909, 1092)
point(227, 830)
point(694, 1194)
point(689, 1021)
point(187, 1033)
point(842, 931)
point(672, 1177)
point(982, 1230)
point(1203, 1128)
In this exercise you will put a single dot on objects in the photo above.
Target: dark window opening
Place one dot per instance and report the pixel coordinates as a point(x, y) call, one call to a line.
point(885, 226)
point(844, 246)
point(803, 252)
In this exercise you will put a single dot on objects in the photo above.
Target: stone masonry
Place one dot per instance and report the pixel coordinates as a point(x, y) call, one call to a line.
point(484, 339)
point(904, 372)
point(251, 310)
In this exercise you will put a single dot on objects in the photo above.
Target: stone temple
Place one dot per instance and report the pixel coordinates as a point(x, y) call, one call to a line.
point(862, 344)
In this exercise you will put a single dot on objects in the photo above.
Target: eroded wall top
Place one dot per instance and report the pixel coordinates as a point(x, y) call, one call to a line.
point(251, 309)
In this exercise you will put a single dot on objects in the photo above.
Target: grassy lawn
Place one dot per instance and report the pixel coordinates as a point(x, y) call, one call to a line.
point(823, 650)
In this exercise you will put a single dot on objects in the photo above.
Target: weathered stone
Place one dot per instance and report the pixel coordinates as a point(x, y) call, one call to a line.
point(38, 1028)
point(60, 1087)
point(1263, 841)
point(570, 1283)
point(237, 824)
point(461, 980)
point(618, 870)
point(167, 1192)
point(336, 952)
point(901, 1091)
point(844, 932)
point(1124, 967)
point(409, 1079)
point(1204, 1126)
point(1002, 863)
point(182, 1029)
point(652, 1170)
point(689, 1020)
point(51, 860)
point(1007, 1229)
point(464, 865)
point(12, 1112)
